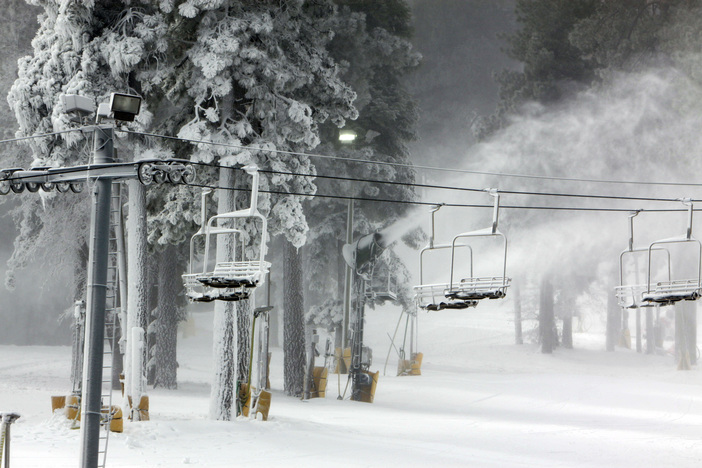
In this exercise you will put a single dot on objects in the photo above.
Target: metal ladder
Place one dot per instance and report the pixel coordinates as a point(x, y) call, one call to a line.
point(111, 323)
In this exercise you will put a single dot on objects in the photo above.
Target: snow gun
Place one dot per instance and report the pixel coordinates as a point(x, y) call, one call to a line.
point(361, 255)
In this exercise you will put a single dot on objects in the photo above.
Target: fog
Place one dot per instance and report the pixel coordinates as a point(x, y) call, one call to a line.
point(32, 313)
point(640, 127)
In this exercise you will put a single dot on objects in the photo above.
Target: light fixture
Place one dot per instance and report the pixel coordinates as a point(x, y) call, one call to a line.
point(75, 103)
point(347, 136)
point(124, 106)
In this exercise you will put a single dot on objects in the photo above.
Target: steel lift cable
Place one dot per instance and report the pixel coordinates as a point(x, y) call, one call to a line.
point(411, 166)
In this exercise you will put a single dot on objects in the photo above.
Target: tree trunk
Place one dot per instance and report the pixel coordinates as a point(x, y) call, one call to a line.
point(650, 332)
point(222, 400)
point(518, 339)
point(79, 272)
point(692, 331)
point(153, 272)
point(613, 322)
point(137, 294)
point(222, 397)
point(546, 321)
point(275, 278)
point(244, 315)
point(685, 334)
point(244, 309)
point(568, 330)
point(293, 321)
point(166, 326)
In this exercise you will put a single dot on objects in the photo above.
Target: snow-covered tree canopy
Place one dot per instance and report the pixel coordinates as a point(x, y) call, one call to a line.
point(256, 75)
point(372, 43)
point(74, 53)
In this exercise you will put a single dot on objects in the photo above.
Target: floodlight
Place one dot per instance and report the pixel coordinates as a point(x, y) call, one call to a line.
point(347, 136)
point(124, 106)
point(75, 103)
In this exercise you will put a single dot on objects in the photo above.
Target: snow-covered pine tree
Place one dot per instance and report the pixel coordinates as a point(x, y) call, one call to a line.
point(137, 296)
point(18, 24)
point(372, 40)
point(173, 213)
point(82, 47)
point(253, 74)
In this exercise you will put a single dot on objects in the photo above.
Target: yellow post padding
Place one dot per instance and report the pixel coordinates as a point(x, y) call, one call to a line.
point(684, 361)
point(319, 377)
point(245, 397)
point(339, 366)
point(58, 402)
point(116, 423)
point(368, 391)
point(73, 407)
point(625, 339)
point(143, 408)
point(346, 357)
point(262, 402)
point(416, 364)
point(403, 367)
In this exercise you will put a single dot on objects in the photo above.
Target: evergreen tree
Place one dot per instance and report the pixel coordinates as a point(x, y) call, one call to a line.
point(82, 47)
point(253, 74)
point(552, 65)
point(565, 46)
point(372, 41)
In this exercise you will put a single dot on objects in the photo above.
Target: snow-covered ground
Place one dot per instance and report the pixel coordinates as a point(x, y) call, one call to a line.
point(481, 401)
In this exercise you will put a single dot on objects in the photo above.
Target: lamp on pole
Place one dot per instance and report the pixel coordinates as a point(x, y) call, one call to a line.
point(121, 107)
point(346, 137)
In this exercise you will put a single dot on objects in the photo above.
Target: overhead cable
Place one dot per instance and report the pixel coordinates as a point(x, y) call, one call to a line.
point(43, 135)
point(411, 166)
point(455, 205)
point(457, 188)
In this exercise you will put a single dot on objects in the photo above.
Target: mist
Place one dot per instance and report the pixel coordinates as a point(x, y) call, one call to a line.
point(638, 127)
point(641, 126)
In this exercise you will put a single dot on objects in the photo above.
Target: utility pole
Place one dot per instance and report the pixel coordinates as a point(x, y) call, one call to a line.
point(348, 281)
point(100, 173)
point(95, 313)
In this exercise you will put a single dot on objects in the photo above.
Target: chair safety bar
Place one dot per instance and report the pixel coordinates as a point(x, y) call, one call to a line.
point(668, 292)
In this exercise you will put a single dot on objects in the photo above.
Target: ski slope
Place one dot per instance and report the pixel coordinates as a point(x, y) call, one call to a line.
point(481, 401)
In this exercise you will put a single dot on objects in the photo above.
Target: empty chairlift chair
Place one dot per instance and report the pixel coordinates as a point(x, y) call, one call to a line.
point(630, 294)
point(476, 288)
point(234, 278)
point(432, 296)
point(467, 291)
point(674, 290)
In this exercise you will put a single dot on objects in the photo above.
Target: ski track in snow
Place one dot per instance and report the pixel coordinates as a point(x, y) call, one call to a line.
point(481, 401)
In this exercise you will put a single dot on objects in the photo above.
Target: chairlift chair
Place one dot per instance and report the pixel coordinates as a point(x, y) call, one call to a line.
point(674, 290)
point(432, 296)
point(475, 288)
point(235, 278)
point(630, 296)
